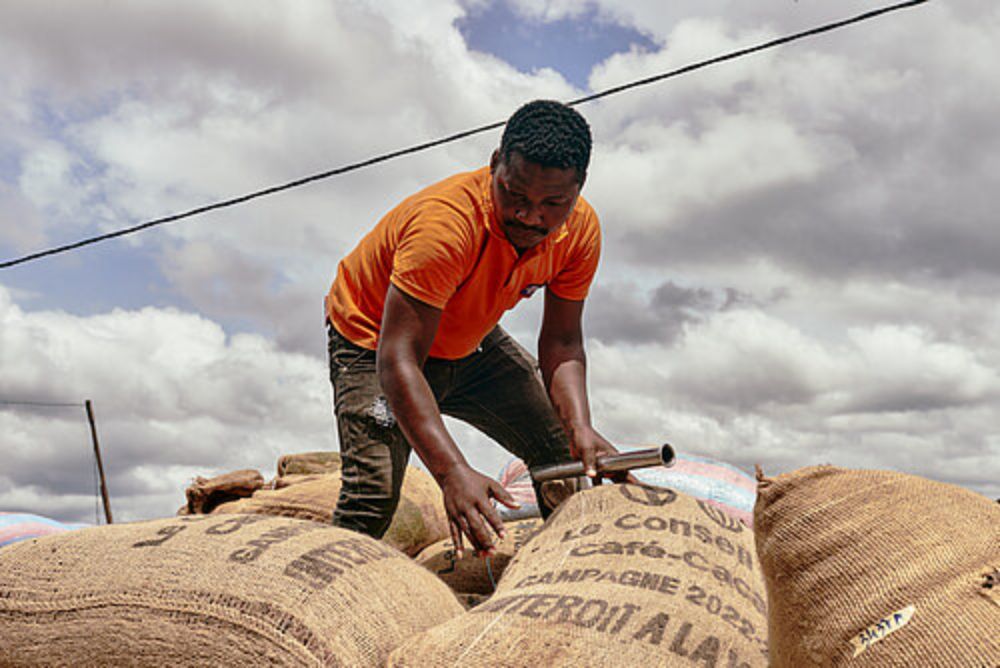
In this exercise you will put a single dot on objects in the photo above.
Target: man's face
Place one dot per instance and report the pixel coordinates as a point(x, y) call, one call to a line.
point(531, 201)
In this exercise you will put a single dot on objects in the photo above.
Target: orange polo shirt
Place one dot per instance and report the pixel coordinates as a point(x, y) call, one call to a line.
point(444, 246)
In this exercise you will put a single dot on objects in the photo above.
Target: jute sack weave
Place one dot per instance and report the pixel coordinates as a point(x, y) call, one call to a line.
point(876, 568)
point(471, 574)
point(212, 590)
point(621, 575)
point(292, 479)
point(420, 518)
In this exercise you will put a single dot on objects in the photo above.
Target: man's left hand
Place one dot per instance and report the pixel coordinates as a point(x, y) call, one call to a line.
point(586, 445)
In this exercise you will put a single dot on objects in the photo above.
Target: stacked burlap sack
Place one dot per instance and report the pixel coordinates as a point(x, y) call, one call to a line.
point(473, 578)
point(213, 590)
point(620, 575)
point(206, 494)
point(878, 569)
point(307, 487)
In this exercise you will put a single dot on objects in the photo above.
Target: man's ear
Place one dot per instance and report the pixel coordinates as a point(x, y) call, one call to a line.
point(495, 159)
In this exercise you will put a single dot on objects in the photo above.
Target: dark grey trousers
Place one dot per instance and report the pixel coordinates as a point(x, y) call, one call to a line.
point(496, 389)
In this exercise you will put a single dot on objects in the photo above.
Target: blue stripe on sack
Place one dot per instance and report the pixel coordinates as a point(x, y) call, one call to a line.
point(699, 486)
point(11, 519)
point(17, 539)
point(16, 527)
point(716, 462)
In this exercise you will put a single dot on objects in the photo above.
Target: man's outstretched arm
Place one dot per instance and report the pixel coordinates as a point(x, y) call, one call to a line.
point(407, 332)
point(563, 363)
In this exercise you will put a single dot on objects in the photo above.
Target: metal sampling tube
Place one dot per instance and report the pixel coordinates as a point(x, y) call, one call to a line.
point(626, 461)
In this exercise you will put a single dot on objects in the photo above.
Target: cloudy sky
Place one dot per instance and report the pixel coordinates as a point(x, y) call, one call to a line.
point(799, 263)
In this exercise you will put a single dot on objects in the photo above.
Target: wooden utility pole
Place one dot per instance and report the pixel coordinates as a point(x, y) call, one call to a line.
point(100, 466)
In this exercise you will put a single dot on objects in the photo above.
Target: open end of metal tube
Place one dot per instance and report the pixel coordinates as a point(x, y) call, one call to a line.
point(667, 454)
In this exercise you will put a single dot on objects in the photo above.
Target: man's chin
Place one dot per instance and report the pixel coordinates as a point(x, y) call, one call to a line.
point(522, 246)
point(521, 239)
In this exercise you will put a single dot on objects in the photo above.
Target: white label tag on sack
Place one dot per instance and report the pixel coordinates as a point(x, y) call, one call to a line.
point(882, 628)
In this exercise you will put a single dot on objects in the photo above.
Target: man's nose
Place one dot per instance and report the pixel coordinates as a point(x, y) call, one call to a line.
point(529, 215)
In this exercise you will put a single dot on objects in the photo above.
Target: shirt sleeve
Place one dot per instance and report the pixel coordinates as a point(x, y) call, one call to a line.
point(432, 253)
point(574, 279)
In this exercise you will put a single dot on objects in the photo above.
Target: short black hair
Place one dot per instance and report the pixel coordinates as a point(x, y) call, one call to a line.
point(550, 134)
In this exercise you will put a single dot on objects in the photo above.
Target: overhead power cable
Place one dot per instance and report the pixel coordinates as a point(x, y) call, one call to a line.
point(462, 135)
point(47, 404)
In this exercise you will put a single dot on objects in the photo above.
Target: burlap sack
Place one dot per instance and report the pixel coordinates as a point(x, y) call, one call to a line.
point(472, 574)
point(621, 575)
point(309, 462)
point(420, 518)
point(210, 590)
point(205, 494)
point(876, 568)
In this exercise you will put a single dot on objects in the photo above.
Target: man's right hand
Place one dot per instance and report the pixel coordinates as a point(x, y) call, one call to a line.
point(467, 500)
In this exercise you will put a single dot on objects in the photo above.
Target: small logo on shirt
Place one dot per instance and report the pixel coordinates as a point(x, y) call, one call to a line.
point(531, 289)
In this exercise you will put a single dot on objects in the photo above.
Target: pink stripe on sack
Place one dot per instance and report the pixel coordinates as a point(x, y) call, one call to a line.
point(715, 472)
point(26, 530)
point(514, 470)
point(522, 493)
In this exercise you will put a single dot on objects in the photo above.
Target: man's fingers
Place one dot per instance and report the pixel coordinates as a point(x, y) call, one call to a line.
point(605, 449)
point(589, 458)
point(470, 533)
point(493, 517)
point(479, 533)
point(456, 538)
point(503, 496)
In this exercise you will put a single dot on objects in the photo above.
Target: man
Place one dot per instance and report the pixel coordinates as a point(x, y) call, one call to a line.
point(413, 314)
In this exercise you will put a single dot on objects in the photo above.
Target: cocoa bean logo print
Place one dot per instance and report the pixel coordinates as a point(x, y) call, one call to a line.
point(720, 517)
point(648, 496)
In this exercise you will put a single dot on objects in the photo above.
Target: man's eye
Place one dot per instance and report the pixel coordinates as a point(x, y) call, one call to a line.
point(507, 191)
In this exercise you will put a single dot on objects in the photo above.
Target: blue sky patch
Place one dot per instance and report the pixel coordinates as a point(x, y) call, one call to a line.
point(92, 280)
point(570, 46)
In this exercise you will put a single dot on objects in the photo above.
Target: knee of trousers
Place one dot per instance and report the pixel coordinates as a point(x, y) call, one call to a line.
point(368, 514)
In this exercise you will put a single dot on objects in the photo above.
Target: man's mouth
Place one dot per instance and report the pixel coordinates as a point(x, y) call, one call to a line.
point(525, 229)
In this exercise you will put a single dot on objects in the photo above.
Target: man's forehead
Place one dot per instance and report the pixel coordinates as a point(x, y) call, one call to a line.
point(521, 171)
